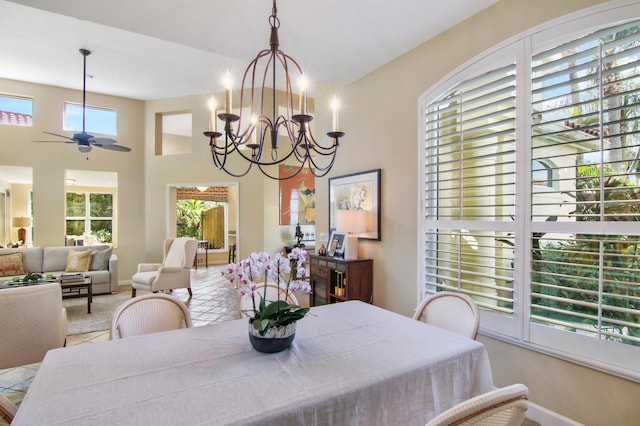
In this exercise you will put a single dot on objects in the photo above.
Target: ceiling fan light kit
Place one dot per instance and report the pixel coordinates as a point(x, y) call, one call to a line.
point(256, 139)
point(84, 140)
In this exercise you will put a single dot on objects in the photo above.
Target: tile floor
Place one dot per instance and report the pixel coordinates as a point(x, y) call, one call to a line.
point(213, 300)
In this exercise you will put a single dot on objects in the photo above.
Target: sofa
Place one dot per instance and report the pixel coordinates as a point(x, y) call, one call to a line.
point(103, 266)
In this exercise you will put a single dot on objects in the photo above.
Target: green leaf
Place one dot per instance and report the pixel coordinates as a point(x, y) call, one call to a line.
point(274, 308)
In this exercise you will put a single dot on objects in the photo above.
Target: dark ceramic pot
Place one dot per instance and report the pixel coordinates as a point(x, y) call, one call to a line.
point(270, 345)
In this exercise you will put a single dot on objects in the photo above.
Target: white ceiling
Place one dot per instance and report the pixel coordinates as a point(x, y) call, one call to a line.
point(165, 48)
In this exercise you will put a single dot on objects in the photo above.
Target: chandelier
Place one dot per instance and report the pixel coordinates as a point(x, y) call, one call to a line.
point(256, 140)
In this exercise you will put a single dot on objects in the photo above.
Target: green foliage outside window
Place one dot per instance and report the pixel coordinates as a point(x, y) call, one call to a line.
point(100, 206)
point(75, 204)
point(188, 215)
point(102, 230)
point(569, 271)
point(75, 227)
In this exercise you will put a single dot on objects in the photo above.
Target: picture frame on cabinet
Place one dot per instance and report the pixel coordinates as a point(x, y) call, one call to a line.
point(336, 245)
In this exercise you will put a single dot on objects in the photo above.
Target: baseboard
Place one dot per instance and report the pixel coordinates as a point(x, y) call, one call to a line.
point(545, 416)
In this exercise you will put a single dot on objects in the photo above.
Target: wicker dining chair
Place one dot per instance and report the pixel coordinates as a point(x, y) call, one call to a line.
point(7, 409)
point(500, 407)
point(150, 313)
point(451, 311)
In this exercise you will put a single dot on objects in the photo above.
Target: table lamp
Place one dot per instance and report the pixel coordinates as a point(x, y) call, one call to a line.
point(351, 222)
point(22, 222)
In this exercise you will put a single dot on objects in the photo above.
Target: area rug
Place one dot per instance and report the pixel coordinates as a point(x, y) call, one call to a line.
point(102, 308)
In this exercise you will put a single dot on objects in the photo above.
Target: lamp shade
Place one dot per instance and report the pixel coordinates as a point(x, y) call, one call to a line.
point(21, 222)
point(351, 221)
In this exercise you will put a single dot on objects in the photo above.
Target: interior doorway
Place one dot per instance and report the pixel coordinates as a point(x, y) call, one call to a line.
point(209, 213)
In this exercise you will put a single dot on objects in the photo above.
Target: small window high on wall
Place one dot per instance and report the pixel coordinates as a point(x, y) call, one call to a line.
point(16, 110)
point(173, 133)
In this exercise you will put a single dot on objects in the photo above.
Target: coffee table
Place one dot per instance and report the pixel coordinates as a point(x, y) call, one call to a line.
point(74, 289)
point(69, 289)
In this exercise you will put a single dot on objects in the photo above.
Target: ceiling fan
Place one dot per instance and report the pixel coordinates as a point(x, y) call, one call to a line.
point(84, 140)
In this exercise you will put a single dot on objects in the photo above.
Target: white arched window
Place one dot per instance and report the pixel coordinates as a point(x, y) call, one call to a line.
point(531, 197)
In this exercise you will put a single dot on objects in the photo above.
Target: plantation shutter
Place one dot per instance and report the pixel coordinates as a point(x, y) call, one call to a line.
point(469, 192)
point(584, 260)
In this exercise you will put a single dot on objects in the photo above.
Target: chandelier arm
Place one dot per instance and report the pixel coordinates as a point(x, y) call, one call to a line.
point(321, 149)
point(317, 168)
point(253, 68)
point(291, 132)
point(220, 151)
point(301, 149)
point(221, 164)
point(238, 175)
point(269, 175)
point(216, 157)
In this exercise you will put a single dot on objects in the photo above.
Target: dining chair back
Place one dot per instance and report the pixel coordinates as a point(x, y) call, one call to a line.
point(500, 407)
point(452, 311)
point(7, 409)
point(32, 321)
point(273, 293)
point(150, 313)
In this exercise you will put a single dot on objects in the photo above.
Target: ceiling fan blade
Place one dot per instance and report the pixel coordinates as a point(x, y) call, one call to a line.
point(102, 141)
point(113, 147)
point(61, 136)
point(71, 141)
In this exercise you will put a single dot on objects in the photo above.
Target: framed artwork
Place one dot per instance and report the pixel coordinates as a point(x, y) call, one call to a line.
point(357, 197)
point(336, 244)
point(297, 196)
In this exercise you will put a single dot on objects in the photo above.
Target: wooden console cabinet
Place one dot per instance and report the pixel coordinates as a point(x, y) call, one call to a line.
point(335, 280)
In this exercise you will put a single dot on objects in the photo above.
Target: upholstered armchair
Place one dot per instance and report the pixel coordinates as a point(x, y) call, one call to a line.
point(33, 321)
point(173, 272)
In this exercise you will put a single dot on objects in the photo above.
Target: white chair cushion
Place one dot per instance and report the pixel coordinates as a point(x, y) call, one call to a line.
point(145, 278)
point(175, 256)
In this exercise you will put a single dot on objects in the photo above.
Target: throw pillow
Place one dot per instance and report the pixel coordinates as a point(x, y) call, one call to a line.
point(11, 264)
point(100, 259)
point(78, 261)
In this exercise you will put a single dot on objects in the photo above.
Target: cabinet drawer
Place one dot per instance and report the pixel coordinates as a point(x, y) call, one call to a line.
point(320, 271)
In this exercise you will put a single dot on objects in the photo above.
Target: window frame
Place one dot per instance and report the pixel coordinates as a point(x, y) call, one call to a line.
point(20, 98)
point(87, 218)
point(618, 359)
point(89, 109)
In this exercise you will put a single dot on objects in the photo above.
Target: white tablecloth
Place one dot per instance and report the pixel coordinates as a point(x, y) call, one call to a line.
point(351, 363)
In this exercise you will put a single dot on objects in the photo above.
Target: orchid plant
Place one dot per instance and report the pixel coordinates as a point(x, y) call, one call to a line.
point(288, 272)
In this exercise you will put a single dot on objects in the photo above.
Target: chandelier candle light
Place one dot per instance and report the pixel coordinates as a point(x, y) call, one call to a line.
point(262, 131)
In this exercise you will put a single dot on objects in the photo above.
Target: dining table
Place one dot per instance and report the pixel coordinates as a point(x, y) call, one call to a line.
point(351, 363)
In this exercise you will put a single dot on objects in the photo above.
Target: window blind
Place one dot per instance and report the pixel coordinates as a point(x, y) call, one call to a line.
point(470, 189)
point(585, 107)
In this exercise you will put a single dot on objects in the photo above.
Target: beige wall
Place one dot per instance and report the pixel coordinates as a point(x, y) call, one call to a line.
point(49, 162)
point(196, 167)
point(381, 119)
